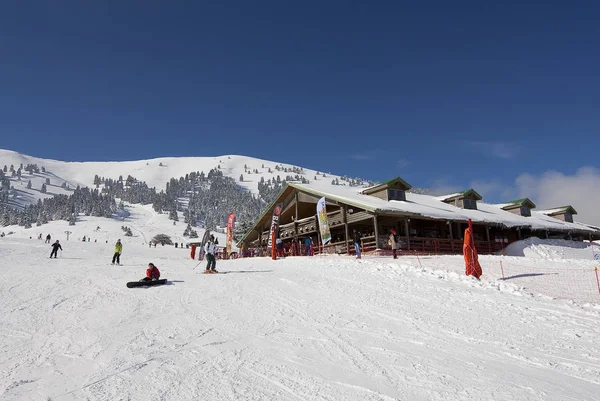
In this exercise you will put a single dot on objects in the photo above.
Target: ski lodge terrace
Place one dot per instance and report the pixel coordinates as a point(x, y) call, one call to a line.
point(424, 223)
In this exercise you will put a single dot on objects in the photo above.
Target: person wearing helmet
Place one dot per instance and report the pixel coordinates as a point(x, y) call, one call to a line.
point(55, 247)
point(118, 250)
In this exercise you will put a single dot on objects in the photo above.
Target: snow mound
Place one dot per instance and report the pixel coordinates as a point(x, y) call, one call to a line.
point(552, 249)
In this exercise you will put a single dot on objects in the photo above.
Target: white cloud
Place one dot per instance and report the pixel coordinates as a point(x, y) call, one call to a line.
point(362, 156)
point(499, 149)
point(401, 163)
point(442, 186)
point(550, 189)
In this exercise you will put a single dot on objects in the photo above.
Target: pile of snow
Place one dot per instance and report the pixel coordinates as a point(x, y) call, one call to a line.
point(552, 249)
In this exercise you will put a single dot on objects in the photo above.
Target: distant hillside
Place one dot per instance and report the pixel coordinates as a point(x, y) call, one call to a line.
point(204, 190)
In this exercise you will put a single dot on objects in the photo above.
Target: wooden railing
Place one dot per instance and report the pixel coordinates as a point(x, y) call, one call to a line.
point(420, 245)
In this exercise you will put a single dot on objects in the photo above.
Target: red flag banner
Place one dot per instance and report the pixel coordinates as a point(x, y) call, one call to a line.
point(229, 235)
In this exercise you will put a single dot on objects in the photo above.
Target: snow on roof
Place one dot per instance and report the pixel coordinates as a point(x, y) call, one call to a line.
point(433, 207)
point(516, 202)
point(459, 194)
point(560, 209)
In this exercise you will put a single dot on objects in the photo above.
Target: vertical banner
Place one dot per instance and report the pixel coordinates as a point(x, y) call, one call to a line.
point(274, 224)
point(229, 235)
point(323, 223)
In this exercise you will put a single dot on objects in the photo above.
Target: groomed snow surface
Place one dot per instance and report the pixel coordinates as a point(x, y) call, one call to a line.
point(299, 328)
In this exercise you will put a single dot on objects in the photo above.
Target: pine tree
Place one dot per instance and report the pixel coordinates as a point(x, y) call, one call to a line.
point(241, 177)
point(29, 184)
point(43, 188)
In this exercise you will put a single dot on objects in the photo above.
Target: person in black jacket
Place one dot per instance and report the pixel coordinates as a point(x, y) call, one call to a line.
point(357, 237)
point(55, 247)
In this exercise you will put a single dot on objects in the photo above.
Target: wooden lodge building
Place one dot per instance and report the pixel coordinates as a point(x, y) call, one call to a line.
point(424, 223)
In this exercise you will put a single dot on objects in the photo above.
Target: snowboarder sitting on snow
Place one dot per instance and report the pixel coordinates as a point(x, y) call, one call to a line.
point(152, 273)
point(118, 250)
point(55, 247)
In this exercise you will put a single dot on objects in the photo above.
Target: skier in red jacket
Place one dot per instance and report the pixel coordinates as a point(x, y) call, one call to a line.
point(152, 273)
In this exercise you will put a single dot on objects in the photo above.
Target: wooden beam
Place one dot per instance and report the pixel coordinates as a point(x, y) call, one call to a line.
point(346, 232)
point(376, 231)
point(406, 227)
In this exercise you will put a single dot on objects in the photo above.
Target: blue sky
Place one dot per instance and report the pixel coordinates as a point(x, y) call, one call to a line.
point(444, 94)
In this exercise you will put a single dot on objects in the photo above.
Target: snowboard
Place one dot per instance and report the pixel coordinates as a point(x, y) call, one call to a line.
point(133, 284)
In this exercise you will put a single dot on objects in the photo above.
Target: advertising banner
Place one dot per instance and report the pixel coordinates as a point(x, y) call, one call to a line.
point(323, 223)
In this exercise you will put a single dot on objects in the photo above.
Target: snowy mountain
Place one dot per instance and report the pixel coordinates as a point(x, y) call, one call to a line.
point(200, 191)
point(154, 172)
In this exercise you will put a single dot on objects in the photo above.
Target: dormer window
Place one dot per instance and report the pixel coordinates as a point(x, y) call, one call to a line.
point(394, 189)
point(464, 200)
point(521, 207)
point(564, 213)
point(470, 204)
point(396, 194)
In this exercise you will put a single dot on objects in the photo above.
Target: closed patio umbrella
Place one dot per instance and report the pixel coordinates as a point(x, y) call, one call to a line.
point(472, 267)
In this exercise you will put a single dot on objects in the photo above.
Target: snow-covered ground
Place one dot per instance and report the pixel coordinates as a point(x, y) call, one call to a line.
point(299, 328)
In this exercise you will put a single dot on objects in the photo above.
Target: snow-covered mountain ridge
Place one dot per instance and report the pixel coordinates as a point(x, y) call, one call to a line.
point(246, 171)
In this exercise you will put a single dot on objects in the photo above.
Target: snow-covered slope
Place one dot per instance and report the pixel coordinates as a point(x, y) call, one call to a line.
point(300, 328)
point(144, 222)
point(155, 172)
point(553, 249)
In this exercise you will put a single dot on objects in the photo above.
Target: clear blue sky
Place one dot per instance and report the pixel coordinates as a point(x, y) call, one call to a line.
point(426, 90)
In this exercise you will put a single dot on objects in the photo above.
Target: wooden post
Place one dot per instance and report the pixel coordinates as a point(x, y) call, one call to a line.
point(407, 233)
point(346, 232)
point(376, 232)
point(451, 235)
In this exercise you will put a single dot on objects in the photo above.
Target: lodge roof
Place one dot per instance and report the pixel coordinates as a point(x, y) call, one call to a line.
point(429, 207)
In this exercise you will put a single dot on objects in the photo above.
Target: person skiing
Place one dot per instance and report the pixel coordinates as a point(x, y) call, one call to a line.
point(210, 251)
point(393, 240)
point(357, 242)
point(152, 273)
point(48, 238)
point(118, 250)
point(55, 247)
